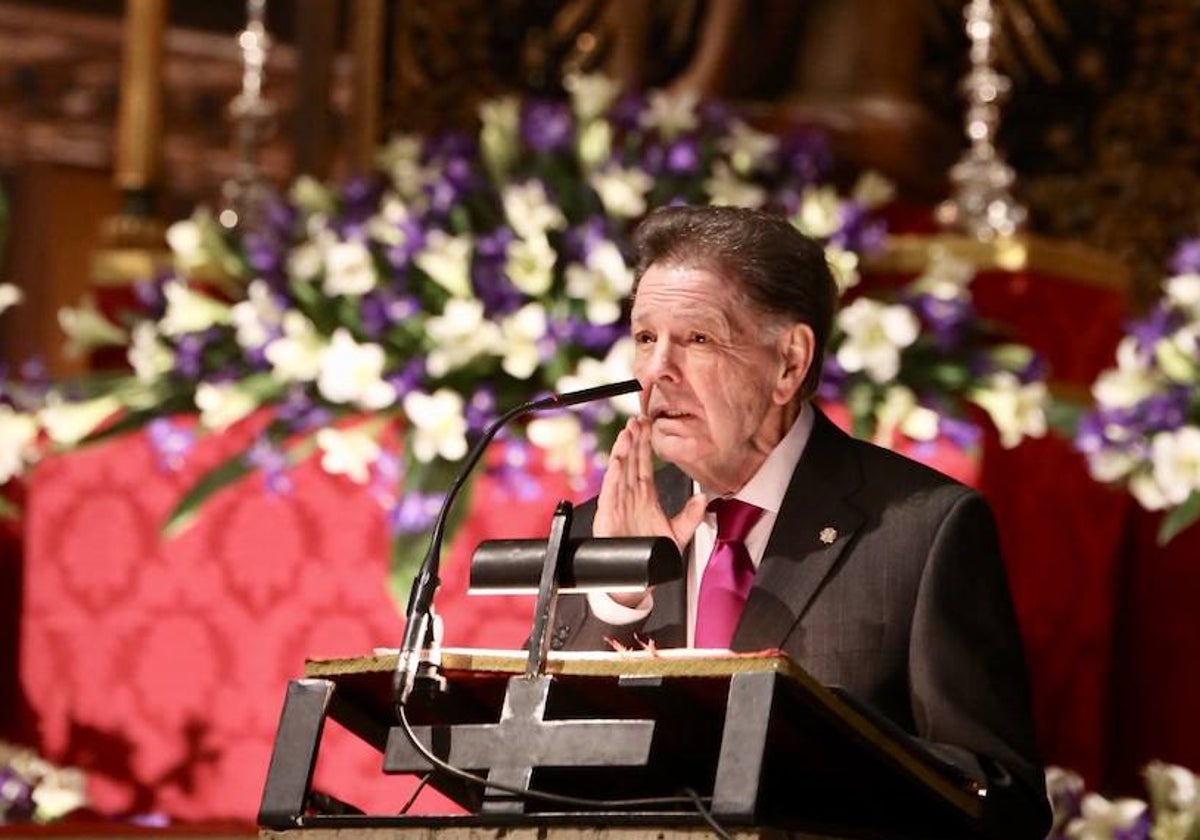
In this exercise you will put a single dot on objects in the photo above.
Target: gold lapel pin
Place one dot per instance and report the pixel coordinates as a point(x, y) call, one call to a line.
point(828, 535)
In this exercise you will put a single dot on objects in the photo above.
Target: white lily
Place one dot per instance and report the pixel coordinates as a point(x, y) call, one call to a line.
point(349, 452)
point(352, 373)
point(460, 334)
point(595, 144)
point(305, 262)
point(296, 356)
point(561, 439)
point(670, 114)
point(1127, 384)
point(349, 269)
point(1183, 290)
point(529, 264)
point(10, 296)
point(257, 316)
point(189, 311)
point(872, 190)
point(499, 133)
point(726, 189)
point(900, 411)
point(614, 367)
point(747, 147)
point(521, 333)
point(622, 190)
point(875, 335)
point(843, 265)
point(311, 196)
point(1176, 354)
point(67, 423)
point(1109, 465)
point(222, 404)
point(447, 261)
point(592, 94)
point(529, 211)
point(1176, 462)
point(18, 431)
point(199, 242)
point(87, 328)
point(386, 225)
point(148, 355)
point(820, 213)
point(1102, 819)
point(439, 428)
point(1018, 409)
point(603, 281)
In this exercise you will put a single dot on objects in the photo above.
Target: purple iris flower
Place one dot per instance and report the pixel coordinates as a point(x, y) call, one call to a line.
point(1035, 371)
point(409, 377)
point(171, 443)
point(450, 144)
point(300, 412)
point(34, 374)
point(715, 116)
point(596, 336)
point(582, 239)
point(1154, 326)
point(16, 797)
point(280, 216)
point(1186, 259)
point(512, 472)
point(627, 111)
point(264, 253)
point(272, 462)
point(494, 245)
point(962, 433)
point(380, 310)
point(1139, 830)
point(860, 232)
point(399, 257)
point(149, 295)
point(946, 319)
point(415, 512)
point(806, 155)
point(494, 289)
point(833, 379)
point(480, 410)
point(189, 355)
point(683, 156)
point(547, 126)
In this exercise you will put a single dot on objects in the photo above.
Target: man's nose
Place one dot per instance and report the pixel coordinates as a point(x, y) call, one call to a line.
point(659, 364)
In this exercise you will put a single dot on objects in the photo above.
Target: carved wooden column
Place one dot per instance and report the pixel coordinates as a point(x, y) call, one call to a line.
point(133, 244)
point(368, 28)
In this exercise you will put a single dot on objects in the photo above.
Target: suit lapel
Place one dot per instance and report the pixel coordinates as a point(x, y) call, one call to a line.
point(816, 523)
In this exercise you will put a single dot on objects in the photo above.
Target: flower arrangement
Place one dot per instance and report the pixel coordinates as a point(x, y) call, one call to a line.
point(1172, 813)
point(1143, 431)
point(908, 365)
point(33, 790)
point(464, 276)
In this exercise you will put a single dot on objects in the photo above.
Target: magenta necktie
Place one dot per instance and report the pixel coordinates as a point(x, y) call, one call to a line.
point(728, 575)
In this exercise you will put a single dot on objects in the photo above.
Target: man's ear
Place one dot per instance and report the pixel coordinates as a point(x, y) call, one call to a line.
point(797, 348)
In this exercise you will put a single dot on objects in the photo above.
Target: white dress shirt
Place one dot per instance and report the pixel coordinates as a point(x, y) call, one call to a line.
point(765, 490)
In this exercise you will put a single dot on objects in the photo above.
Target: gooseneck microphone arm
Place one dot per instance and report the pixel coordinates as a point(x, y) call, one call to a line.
point(425, 584)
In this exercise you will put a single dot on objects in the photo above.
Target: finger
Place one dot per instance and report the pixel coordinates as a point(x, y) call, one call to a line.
point(645, 462)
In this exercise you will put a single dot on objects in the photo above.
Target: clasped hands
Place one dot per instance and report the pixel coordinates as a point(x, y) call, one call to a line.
point(628, 505)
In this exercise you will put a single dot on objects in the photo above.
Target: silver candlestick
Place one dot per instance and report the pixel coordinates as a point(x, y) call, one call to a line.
point(252, 114)
point(981, 203)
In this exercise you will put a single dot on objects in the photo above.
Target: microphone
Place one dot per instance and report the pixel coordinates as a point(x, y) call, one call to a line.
point(425, 584)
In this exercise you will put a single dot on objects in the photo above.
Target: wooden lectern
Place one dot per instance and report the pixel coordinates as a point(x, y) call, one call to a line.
point(753, 735)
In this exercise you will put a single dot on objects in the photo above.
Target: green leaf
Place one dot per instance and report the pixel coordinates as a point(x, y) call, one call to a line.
point(1179, 518)
point(1063, 416)
point(227, 473)
point(408, 550)
point(133, 420)
point(8, 510)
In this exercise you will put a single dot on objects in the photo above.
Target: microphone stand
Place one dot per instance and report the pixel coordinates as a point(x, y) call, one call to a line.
point(417, 628)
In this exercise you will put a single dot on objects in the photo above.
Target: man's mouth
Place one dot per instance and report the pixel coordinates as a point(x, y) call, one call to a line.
point(668, 414)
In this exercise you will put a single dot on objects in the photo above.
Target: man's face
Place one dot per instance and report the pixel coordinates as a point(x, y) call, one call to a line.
point(710, 370)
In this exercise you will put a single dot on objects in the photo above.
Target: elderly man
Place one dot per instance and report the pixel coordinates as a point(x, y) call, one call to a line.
point(874, 573)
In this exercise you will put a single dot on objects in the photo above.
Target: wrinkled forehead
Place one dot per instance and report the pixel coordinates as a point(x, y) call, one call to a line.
point(683, 289)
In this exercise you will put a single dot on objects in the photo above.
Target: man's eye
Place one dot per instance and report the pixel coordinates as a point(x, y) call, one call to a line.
point(643, 338)
point(699, 338)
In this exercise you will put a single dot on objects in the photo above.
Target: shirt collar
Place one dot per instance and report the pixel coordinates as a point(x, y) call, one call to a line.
point(767, 486)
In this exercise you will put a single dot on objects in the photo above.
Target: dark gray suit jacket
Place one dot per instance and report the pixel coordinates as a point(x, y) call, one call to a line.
point(908, 610)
